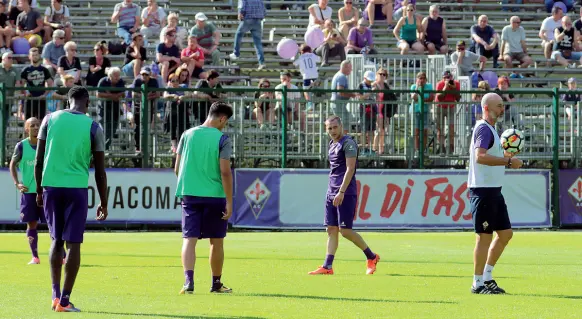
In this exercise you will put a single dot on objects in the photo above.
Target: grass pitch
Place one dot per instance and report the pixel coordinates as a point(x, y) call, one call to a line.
point(421, 275)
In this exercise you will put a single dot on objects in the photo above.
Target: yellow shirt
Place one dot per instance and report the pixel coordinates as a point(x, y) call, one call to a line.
point(331, 43)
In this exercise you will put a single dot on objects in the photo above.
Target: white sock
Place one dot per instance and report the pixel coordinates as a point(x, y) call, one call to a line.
point(488, 273)
point(477, 280)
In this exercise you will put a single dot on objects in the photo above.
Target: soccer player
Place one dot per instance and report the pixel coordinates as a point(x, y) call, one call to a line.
point(486, 169)
point(341, 198)
point(67, 141)
point(205, 187)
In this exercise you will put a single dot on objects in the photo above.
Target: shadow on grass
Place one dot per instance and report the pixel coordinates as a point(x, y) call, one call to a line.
point(131, 266)
point(344, 299)
point(157, 315)
point(432, 276)
point(549, 296)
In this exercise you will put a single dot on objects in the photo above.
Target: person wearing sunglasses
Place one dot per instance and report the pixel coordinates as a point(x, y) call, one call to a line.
point(484, 40)
point(70, 63)
point(387, 107)
point(513, 44)
point(567, 49)
point(435, 32)
point(176, 119)
point(348, 17)
point(464, 59)
point(264, 109)
point(168, 55)
point(407, 30)
point(98, 64)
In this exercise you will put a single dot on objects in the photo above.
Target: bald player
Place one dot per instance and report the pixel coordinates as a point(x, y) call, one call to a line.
point(486, 170)
point(67, 142)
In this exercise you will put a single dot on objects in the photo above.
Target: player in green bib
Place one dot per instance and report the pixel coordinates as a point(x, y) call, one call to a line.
point(205, 187)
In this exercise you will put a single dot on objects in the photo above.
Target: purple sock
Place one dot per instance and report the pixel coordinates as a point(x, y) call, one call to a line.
point(56, 291)
point(32, 235)
point(369, 253)
point(328, 261)
point(216, 282)
point(189, 274)
point(65, 298)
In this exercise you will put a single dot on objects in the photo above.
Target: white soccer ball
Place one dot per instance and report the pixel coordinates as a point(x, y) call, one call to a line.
point(512, 140)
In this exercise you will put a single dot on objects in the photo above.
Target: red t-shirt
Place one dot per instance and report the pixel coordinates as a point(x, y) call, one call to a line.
point(188, 52)
point(448, 97)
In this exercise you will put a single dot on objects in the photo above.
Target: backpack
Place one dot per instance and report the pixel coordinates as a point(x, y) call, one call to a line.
point(52, 15)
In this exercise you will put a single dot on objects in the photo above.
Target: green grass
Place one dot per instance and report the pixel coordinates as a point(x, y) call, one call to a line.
point(421, 275)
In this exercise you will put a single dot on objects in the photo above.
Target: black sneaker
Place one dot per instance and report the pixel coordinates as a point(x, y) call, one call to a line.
point(492, 285)
point(222, 289)
point(187, 289)
point(480, 290)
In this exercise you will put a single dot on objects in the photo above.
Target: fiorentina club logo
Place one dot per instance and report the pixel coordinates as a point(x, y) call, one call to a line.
point(257, 195)
point(576, 191)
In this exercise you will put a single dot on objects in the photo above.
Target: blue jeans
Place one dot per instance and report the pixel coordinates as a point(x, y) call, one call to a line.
point(550, 4)
point(123, 32)
point(256, 28)
point(514, 9)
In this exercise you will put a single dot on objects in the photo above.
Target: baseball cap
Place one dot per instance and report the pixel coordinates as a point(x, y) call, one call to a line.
point(447, 73)
point(461, 43)
point(146, 70)
point(370, 76)
point(200, 16)
point(572, 80)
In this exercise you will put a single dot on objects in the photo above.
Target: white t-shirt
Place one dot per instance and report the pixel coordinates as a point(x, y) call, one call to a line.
point(307, 63)
point(56, 15)
point(483, 175)
point(327, 12)
point(550, 25)
point(291, 96)
point(14, 3)
point(156, 18)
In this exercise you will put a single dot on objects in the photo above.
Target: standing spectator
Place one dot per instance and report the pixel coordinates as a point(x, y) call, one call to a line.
point(251, 14)
point(293, 107)
point(193, 57)
point(56, 17)
point(434, 29)
point(59, 100)
point(181, 32)
point(415, 111)
point(10, 77)
point(464, 59)
point(153, 19)
point(511, 115)
point(135, 56)
point(264, 110)
point(146, 77)
point(348, 17)
point(379, 10)
point(6, 30)
point(547, 29)
point(386, 110)
point(476, 110)
point(210, 93)
point(567, 49)
point(126, 15)
point(168, 55)
point(484, 40)
point(361, 40)
point(333, 44)
point(35, 76)
point(208, 37)
point(110, 107)
point(571, 100)
point(53, 51)
point(176, 120)
point(29, 24)
point(318, 13)
point(339, 100)
point(70, 63)
point(550, 4)
point(98, 64)
point(445, 113)
point(506, 8)
point(406, 32)
point(513, 45)
point(368, 110)
point(307, 63)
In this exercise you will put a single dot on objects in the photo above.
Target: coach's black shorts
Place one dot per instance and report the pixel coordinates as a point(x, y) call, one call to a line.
point(489, 210)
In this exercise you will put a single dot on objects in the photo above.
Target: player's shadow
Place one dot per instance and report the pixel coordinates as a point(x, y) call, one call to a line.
point(157, 315)
point(432, 276)
point(311, 297)
point(549, 296)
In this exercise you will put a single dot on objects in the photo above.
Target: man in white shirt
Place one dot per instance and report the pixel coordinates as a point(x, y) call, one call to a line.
point(486, 170)
point(513, 45)
point(547, 30)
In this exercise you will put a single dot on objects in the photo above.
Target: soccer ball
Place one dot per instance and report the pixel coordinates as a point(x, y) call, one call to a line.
point(512, 140)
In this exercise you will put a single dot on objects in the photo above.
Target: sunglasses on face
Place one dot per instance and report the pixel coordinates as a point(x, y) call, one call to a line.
point(265, 86)
point(461, 48)
point(517, 22)
point(173, 81)
point(410, 10)
point(383, 74)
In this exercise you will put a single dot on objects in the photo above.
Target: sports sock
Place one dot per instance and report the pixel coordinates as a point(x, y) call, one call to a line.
point(328, 261)
point(369, 253)
point(488, 273)
point(477, 280)
point(65, 298)
point(32, 235)
point(189, 274)
point(56, 291)
point(216, 282)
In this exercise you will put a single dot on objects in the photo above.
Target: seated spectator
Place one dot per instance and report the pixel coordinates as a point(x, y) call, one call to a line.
point(293, 107)
point(110, 106)
point(126, 15)
point(70, 63)
point(379, 10)
point(505, 7)
point(145, 77)
point(183, 75)
point(208, 37)
point(210, 93)
point(550, 4)
point(193, 57)
point(571, 100)
point(14, 9)
point(547, 29)
point(53, 51)
point(6, 30)
point(578, 25)
point(168, 55)
point(333, 44)
point(35, 76)
point(181, 32)
point(567, 49)
point(416, 112)
point(406, 32)
point(348, 17)
point(56, 17)
point(513, 45)
point(29, 24)
point(434, 29)
point(368, 110)
point(319, 12)
point(476, 109)
point(153, 19)
point(360, 39)
point(263, 107)
point(177, 119)
point(464, 59)
point(135, 56)
point(98, 64)
point(445, 113)
point(484, 40)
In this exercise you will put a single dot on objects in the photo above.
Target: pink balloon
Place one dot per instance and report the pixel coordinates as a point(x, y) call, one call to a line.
point(287, 48)
point(20, 46)
point(314, 37)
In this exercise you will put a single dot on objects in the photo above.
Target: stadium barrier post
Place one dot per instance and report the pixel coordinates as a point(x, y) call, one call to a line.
point(145, 125)
point(283, 112)
point(421, 124)
point(556, 158)
point(3, 123)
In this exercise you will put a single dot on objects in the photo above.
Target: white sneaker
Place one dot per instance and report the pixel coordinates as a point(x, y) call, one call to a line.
point(261, 67)
point(233, 57)
point(34, 261)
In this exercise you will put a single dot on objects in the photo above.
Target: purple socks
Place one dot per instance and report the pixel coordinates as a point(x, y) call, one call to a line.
point(65, 298)
point(369, 253)
point(189, 274)
point(56, 291)
point(32, 235)
point(328, 261)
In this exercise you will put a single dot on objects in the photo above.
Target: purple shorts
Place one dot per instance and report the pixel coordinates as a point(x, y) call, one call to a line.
point(29, 211)
point(342, 216)
point(202, 217)
point(65, 210)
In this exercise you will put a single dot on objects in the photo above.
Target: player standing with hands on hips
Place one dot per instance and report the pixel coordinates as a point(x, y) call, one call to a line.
point(486, 169)
point(342, 197)
point(205, 187)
